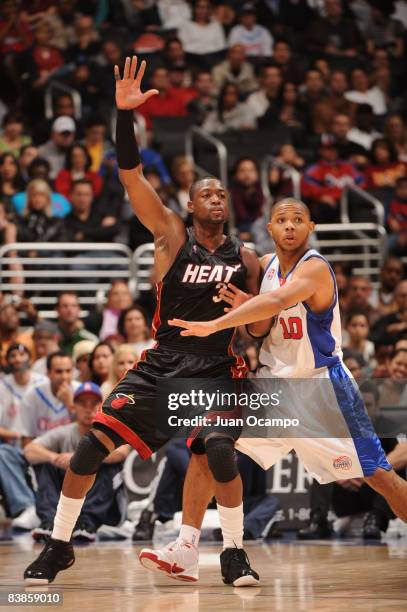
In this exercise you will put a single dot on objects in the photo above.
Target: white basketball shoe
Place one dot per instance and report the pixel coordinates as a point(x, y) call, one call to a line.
point(178, 560)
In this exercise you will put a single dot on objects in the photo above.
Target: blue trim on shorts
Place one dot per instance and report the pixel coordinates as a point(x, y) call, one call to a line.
point(365, 439)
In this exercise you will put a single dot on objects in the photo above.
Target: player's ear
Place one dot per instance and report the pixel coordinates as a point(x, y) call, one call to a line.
point(269, 226)
point(190, 206)
point(312, 226)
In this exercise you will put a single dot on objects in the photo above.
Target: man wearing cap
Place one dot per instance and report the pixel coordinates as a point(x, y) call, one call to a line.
point(324, 181)
point(17, 494)
point(255, 38)
point(46, 337)
point(55, 149)
point(51, 453)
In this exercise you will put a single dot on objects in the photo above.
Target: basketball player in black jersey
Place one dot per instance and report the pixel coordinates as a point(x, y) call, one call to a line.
point(191, 267)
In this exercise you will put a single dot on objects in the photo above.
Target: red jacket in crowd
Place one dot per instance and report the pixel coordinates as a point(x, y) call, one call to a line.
point(324, 178)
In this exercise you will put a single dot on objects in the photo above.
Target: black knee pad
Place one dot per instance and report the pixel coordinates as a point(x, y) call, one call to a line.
point(222, 458)
point(88, 456)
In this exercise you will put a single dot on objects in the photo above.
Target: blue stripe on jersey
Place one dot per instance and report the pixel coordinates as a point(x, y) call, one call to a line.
point(269, 264)
point(367, 444)
point(319, 328)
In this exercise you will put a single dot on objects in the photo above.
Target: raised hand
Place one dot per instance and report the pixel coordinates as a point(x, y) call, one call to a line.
point(233, 296)
point(128, 88)
point(194, 328)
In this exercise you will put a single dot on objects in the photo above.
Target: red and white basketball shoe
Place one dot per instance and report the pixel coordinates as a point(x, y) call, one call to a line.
point(178, 560)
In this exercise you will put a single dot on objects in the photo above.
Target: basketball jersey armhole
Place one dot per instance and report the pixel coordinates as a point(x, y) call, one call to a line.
point(324, 313)
point(170, 270)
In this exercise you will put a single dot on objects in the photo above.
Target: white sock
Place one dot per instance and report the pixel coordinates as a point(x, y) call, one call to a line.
point(68, 510)
point(189, 534)
point(231, 521)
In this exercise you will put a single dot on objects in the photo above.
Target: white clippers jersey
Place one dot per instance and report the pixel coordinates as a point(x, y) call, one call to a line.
point(301, 342)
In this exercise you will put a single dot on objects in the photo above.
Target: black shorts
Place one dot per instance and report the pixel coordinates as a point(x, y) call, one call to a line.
point(131, 408)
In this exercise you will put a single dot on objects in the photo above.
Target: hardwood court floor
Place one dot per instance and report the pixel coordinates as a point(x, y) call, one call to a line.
point(328, 576)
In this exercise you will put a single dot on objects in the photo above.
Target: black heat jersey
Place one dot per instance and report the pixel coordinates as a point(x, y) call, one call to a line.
point(190, 291)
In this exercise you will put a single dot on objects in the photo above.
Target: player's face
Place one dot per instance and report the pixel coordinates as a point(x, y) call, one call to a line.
point(210, 203)
point(290, 226)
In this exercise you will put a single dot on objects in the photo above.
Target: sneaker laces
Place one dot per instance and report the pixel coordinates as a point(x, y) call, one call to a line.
point(239, 555)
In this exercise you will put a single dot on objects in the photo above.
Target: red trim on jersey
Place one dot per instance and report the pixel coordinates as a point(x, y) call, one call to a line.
point(157, 315)
point(125, 432)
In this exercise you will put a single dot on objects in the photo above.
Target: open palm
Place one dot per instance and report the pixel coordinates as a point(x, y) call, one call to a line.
point(128, 88)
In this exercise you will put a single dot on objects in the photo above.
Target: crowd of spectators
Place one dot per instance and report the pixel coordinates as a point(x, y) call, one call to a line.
point(330, 72)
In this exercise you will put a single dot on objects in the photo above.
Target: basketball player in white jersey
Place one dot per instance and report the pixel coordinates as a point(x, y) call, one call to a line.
point(298, 313)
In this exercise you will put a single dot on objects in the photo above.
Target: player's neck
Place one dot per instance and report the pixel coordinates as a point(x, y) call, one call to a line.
point(288, 259)
point(211, 237)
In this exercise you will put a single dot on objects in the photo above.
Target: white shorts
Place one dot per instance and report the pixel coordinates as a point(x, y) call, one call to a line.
point(355, 453)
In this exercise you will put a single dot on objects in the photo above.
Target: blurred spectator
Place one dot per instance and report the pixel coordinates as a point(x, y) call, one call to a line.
point(63, 107)
point(124, 359)
point(177, 79)
point(313, 95)
point(384, 349)
point(324, 181)
point(71, 327)
point(231, 114)
point(51, 453)
point(96, 142)
point(86, 223)
point(202, 35)
point(134, 329)
point(246, 195)
point(103, 323)
point(10, 179)
point(235, 69)
point(382, 298)
point(173, 13)
point(36, 223)
point(38, 171)
point(77, 166)
point(395, 130)
point(100, 361)
point(8, 229)
point(46, 339)
point(55, 149)
point(87, 43)
point(80, 355)
point(393, 325)
point(257, 41)
point(363, 93)
point(384, 169)
point(354, 362)
point(397, 218)
point(333, 35)
point(340, 128)
point(279, 179)
point(357, 326)
point(205, 101)
point(335, 103)
point(291, 112)
point(111, 54)
point(282, 57)
point(174, 53)
point(15, 35)
point(363, 132)
point(268, 98)
point(12, 137)
point(183, 175)
point(10, 332)
point(166, 103)
point(27, 154)
point(43, 59)
point(392, 388)
point(383, 31)
point(359, 292)
point(48, 404)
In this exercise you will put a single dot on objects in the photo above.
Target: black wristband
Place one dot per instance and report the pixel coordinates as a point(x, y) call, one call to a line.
point(128, 155)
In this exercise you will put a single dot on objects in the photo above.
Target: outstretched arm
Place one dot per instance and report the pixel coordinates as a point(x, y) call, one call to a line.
point(314, 276)
point(146, 204)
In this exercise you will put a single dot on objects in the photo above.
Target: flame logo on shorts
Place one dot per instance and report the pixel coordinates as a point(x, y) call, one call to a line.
point(342, 463)
point(121, 400)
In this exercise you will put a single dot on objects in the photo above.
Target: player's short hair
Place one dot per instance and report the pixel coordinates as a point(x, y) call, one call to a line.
point(196, 185)
point(290, 200)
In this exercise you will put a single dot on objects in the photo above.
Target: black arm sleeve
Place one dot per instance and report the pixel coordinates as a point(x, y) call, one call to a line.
point(128, 155)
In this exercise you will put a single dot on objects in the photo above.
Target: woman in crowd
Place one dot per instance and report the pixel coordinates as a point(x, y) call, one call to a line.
point(202, 35)
point(384, 168)
point(290, 112)
point(77, 166)
point(123, 359)
point(134, 329)
point(246, 195)
point(230, 114)
point(357, 326)
point(100, 362)
point(36, 223)
point(395, 130)
point(10, 179)
point(13, 138)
